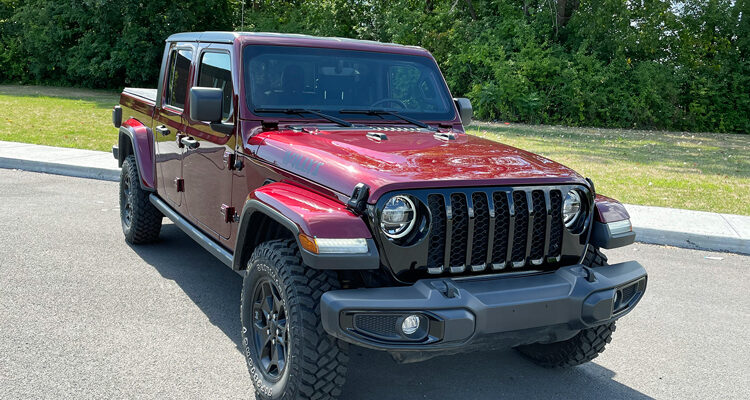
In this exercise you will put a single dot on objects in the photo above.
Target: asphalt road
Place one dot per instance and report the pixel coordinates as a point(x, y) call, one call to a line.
point(84, 315)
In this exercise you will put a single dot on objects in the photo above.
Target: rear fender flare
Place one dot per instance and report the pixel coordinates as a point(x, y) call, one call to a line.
point(138, 139)
point(300, 210)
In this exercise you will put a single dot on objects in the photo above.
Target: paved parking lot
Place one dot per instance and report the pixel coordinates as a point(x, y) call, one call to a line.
point(84, 315)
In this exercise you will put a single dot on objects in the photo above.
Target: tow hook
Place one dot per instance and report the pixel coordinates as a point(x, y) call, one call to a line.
point(589, 274)
point(446, 288)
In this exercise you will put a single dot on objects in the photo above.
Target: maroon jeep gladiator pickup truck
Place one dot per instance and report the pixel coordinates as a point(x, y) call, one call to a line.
point(336, 177)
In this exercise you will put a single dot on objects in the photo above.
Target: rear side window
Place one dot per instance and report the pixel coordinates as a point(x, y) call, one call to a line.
point(215, 71)
point(177, 80)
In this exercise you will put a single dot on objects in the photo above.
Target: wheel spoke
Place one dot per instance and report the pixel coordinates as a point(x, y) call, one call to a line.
point(260, 317)
point(277, 302)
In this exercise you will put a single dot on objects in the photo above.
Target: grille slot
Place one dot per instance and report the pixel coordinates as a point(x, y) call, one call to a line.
point(459, 230)
point(502, 224)
point(473, 230)
point(556, 223)
point(436, 252)
point(539, 226)
point(479, 243)
point(518, 256)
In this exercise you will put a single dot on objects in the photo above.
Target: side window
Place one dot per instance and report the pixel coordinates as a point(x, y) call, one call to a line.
point(177, 80)
point(215, 71)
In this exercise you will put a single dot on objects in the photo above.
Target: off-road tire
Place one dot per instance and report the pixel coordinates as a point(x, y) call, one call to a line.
point(317, 362)
point(581, 348)
point(141, 221)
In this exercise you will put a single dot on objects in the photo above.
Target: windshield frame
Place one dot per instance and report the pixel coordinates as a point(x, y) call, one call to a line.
point(425, 58)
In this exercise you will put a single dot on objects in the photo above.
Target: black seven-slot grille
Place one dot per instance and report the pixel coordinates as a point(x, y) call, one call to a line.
point(498, 229)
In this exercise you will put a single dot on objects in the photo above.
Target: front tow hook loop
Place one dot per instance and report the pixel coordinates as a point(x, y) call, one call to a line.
point(446, 288)
point(589, 274)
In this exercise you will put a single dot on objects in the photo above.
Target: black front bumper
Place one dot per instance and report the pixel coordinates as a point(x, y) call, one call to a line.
point(455, 313)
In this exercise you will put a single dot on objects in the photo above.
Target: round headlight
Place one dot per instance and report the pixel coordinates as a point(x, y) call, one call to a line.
point(398, 217)
point(571, 208)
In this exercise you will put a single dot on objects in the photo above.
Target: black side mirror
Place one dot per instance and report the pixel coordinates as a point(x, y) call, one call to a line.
point(206, 105)
point(464, 110)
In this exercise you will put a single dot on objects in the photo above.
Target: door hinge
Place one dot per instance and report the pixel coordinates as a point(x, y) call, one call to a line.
point(180, 183)
point(232, 161)
point(229, 214)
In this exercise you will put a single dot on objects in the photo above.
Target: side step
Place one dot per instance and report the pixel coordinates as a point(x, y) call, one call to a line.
point(201, 238)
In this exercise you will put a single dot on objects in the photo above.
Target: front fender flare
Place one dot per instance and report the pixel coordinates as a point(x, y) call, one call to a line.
point(302, 211)
point(140, 139)
point(611, 228)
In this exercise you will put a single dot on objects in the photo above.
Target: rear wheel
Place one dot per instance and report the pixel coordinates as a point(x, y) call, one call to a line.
point(288, 354)
point(141, 221)
point(581, 348)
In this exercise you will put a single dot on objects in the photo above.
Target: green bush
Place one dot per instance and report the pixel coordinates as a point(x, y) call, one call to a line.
point(610, 63)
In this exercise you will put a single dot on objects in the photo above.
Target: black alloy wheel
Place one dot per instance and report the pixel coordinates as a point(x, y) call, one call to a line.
point(127, 203)
point(270, 329)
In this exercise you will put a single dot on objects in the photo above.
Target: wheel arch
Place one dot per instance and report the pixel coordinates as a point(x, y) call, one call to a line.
point(259, 223)
point(137, 139)
point(281, 210)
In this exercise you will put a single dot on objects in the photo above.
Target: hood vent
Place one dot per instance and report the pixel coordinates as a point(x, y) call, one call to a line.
point(445, 136)
point(377, 136)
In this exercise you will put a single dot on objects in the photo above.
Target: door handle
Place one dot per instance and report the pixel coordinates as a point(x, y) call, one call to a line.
point(163, 130)
point(190, 143)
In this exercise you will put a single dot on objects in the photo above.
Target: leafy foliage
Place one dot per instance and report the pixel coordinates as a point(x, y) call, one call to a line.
point(679, 65)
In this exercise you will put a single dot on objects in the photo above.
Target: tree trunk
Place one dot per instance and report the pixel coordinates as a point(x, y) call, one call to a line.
point(565, 10)
point(471, 9)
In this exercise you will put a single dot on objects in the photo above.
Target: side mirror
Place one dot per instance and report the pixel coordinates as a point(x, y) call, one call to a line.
point(464, 109)
point(206, 105)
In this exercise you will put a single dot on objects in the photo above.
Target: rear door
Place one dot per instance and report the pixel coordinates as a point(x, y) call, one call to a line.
point(206, 167)
point(169, 124)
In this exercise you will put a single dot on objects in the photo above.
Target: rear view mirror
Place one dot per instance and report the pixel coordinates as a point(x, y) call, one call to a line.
point(464, 110)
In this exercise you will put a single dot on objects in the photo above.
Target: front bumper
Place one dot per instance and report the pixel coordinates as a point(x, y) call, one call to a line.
point(455, 313)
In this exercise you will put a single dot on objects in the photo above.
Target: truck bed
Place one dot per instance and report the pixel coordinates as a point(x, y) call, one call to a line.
point(141, 93)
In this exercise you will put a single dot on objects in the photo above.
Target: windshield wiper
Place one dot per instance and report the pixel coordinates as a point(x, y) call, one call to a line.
point(392, 113)
point(305, 111)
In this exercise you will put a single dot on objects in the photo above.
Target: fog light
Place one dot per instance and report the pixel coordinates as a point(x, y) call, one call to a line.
point(410, 325)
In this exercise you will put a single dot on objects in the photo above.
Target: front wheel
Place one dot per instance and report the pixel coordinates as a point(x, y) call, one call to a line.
point(581, 348)
point(288, 354)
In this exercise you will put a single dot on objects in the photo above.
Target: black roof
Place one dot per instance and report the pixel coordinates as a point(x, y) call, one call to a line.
point(229, 37)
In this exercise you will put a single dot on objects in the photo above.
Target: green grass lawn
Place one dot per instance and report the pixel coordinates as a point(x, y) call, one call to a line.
point(54, 116)
point(706, 171)
point(697, 171)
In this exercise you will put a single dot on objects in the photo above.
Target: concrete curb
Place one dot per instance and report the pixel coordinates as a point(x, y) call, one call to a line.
point(77, 171)
point(691, 229)
point(60, 161)
point(692, 241)
point(655, 225)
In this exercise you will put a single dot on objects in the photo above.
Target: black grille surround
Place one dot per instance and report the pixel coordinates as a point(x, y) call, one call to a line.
point(485, 230)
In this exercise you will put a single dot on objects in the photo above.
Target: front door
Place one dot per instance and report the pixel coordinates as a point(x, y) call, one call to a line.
point(169, 123)
point(207, 162)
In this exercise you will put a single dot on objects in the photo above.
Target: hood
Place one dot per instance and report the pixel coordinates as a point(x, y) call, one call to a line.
point(408, 158)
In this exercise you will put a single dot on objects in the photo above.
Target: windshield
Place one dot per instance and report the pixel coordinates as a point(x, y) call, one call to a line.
point(332, 80)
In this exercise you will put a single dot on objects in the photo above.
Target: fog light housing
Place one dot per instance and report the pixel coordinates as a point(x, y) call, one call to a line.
point(410, 325)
